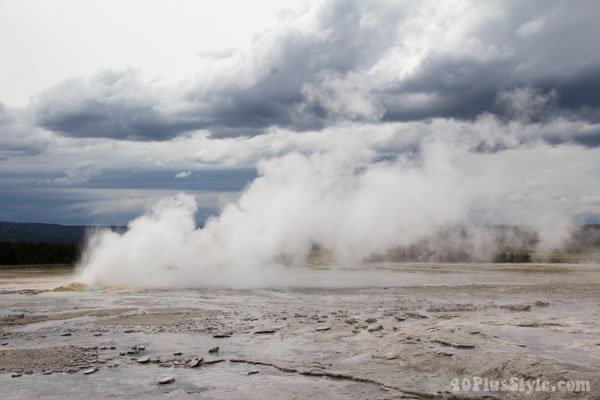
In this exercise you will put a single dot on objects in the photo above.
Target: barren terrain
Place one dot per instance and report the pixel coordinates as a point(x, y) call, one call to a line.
point(390, 331)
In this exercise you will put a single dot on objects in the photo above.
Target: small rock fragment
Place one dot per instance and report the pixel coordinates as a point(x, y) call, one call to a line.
point(214, 350)
point(376, 329)
point(371, 320)
point(90, 371)
point(166, 380)
point(143, 360)
point(195, 362)
point(265, 331)
point(178, 353)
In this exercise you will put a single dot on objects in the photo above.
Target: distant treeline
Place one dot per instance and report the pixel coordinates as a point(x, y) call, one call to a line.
point(22, 253)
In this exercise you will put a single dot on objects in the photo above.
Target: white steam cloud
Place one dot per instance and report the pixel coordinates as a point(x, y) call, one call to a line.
point(343, 199)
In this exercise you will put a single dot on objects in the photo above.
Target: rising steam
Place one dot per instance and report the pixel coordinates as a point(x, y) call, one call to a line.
point(345, 201)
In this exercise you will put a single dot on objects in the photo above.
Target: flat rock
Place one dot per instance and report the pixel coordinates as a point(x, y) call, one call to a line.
point(215, 361)
point(195, 362)
point(265, 331)
point(90, 371)
point(143, 360)
point(214, 350)
point(455, 345)
point(376, 329)
point(166, 380)
point(415, 315)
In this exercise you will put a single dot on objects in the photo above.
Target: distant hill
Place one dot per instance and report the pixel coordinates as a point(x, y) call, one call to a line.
point(50, 233)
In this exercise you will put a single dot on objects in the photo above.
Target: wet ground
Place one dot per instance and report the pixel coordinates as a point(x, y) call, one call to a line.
point(381, 331)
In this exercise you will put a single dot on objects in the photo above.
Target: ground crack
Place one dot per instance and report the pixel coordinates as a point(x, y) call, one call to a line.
point(340, 375)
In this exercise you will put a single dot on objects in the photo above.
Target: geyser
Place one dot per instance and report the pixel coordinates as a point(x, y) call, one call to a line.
point(343, 199)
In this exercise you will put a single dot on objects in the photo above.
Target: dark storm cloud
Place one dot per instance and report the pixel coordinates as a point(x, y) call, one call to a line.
point(302, 77)
point(117, 105)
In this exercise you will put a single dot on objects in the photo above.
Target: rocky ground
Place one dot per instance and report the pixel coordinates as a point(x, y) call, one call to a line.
point(372, 342)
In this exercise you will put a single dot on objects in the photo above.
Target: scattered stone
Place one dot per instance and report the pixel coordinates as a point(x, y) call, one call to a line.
point(90, 371)
point(323, 329)
point(415, 315)
point(143, 360)
point(221, 335)
point(540, 303)
point(214, 350)
point(47, 372)
point(452, 308)
point(371, 320)
point(141, 347)
point(15, 375)
point(195, 362)
point(66, 334)
point(455, 345)
point(517, 307)
point(400, 318)
point(252, 372)
point(351, 321)
point(97, 334)
point(215, 361)
point(4, 344)
point(166, 380)
point(376, 329)
point(265, 331)
point(179, 353)
point(129, 331)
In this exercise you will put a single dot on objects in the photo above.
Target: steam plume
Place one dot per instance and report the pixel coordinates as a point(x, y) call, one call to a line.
point(342, 199)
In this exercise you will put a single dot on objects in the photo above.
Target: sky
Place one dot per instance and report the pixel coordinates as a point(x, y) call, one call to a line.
point(107, 107)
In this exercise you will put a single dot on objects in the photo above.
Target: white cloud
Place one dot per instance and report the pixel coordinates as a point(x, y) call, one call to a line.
point(183, 174)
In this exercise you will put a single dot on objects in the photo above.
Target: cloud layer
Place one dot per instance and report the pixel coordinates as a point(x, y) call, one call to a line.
point(363, 62)
point(507, 82)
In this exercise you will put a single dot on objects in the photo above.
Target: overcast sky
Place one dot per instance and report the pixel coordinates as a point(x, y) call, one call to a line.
point(107, 106)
